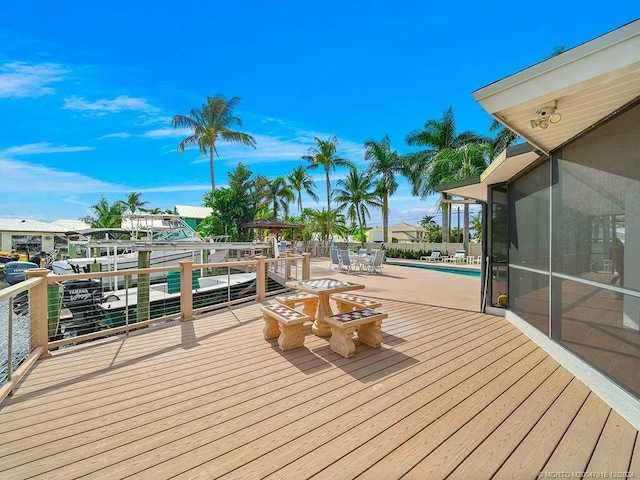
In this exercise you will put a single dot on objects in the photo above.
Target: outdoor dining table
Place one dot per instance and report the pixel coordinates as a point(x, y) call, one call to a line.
point(360, 259)
point(323, 287)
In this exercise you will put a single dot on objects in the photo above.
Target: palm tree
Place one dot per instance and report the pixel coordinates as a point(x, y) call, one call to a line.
point(105, 215)
point(327, 223)
point(279, 194)
point(504, 137)
point(426, 221)
point(453, 164)
point(357, 195)
point(153, 211)
point(134, 202)
point(214, 120)
point(300, 180)
point(436, 136)
point(324, 155)
point(476, 224)
point(384, 162)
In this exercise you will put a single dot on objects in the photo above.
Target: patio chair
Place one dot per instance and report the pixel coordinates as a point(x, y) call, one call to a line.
point(435, 257)
point(377, 259)
point(362, 251)
point(334, 254)
point(346, 260)
point(457, 257)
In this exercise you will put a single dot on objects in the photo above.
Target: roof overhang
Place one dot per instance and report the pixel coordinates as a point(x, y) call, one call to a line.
point(508, 164)
point(589, 83)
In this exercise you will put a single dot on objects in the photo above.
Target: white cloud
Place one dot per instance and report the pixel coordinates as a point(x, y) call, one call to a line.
point(16, 174)
point(19, 80)
point(41, 148)
point(45, 180)
point(167, 133)
point(177, 188)
point(116, 135)
point(118, 104)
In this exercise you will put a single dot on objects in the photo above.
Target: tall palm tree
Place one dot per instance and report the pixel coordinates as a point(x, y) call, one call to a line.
point(324, 155)
point(279, 195)
point(384, 162)
point(453, 164)
point(436, 136)
point(215, 119)
point(134, 202)
point(356, 193)
point(300, 180)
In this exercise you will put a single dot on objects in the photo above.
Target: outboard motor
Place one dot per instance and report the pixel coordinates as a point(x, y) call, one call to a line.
point(82, 298)
point(80, 293)
point(42, 259)
point(15, 272)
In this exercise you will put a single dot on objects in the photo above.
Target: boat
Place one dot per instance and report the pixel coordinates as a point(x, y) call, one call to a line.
point(121, 306)
point(168, 239)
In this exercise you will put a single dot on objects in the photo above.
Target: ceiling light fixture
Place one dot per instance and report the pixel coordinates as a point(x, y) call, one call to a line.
point(546, 115)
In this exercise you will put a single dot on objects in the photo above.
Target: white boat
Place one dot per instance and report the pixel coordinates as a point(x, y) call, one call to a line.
point(168, 238)
point(164, 298)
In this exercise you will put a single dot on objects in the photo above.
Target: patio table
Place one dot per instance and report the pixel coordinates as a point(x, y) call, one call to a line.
point(362, 260)
point(324, 287)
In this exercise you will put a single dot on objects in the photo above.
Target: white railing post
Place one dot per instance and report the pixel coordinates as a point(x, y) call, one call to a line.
point(186, 290)
point(38, 312)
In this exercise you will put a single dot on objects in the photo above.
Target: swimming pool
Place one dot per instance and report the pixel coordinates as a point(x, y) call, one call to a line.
point(458, 271)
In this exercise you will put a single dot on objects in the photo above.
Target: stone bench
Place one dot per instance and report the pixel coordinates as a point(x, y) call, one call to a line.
point(343, 325)
point(309, 301)
point(348, 303)
point(285, 323)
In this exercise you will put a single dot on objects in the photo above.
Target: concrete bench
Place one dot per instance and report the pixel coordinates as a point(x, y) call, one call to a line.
point(285, 323)
point(348, 303)
point(343, 325)
point(309, 301)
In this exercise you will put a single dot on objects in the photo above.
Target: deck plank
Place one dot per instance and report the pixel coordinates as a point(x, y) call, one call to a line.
point(497, 428)
point(423, 410)
point(491, 454)
point(615, 446)
point(576, 447)
point(535, 448)
point(448, 391)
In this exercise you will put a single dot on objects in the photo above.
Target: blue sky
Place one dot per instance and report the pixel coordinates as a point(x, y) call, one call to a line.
point(88, 89)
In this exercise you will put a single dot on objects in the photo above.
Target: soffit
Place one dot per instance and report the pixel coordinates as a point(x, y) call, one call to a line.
point(589, 83)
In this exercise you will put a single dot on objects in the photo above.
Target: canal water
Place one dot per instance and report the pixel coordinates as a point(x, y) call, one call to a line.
point(20, 337)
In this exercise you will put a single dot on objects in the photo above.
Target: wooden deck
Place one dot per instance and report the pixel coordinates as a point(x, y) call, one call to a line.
point(451, 393)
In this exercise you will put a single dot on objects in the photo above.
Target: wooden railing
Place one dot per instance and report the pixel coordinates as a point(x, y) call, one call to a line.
point(39, 279)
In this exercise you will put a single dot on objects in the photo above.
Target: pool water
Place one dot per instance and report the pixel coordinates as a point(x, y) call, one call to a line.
point(454, 270)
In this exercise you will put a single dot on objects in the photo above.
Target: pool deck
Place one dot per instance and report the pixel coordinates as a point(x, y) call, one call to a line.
point(452, 393)
point(413, 285)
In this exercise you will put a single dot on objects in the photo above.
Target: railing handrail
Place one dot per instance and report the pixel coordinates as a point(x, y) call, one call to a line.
point(13, 290)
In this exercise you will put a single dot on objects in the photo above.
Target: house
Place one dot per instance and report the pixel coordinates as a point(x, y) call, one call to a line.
point(193, 215)
point(402, 232)
point(31, 236)
point(562, 212)
point(406, 233)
